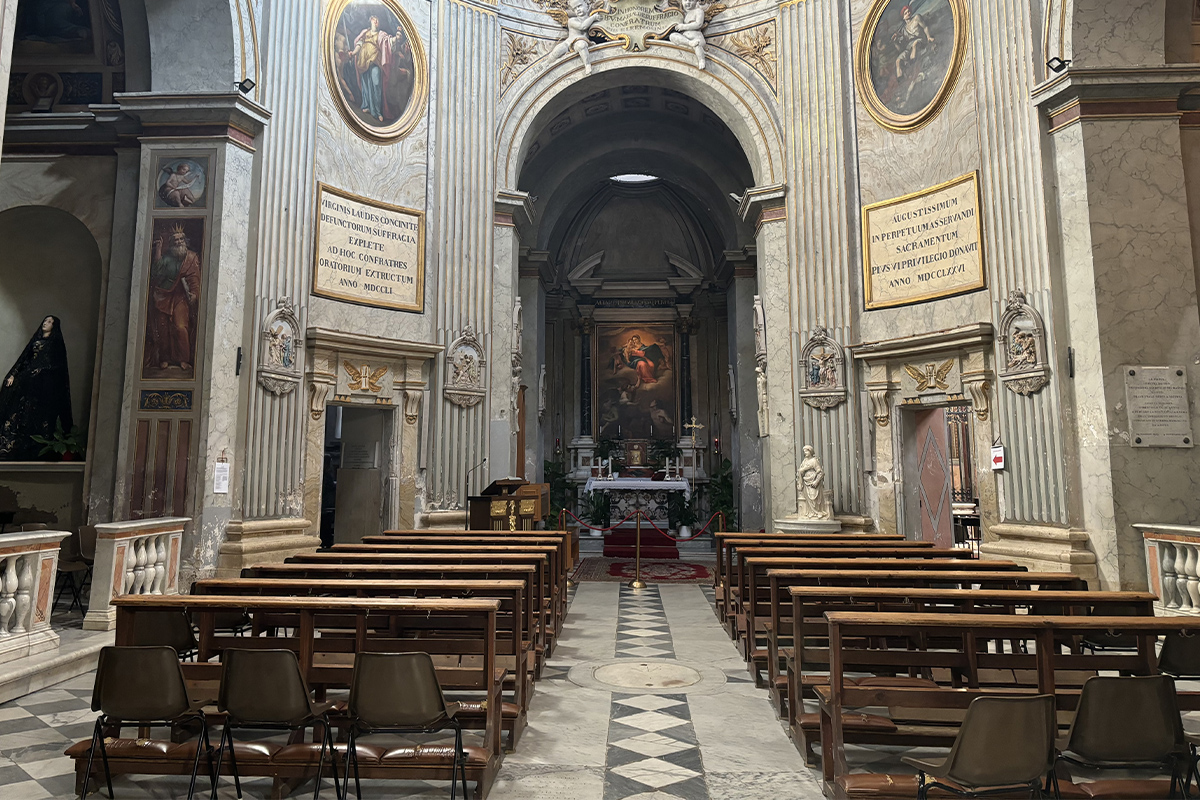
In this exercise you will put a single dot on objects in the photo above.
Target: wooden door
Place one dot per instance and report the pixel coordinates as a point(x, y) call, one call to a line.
point(934, 486)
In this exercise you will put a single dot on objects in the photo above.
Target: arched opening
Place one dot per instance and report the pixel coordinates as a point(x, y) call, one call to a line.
point(55, 269)
point(635, 233)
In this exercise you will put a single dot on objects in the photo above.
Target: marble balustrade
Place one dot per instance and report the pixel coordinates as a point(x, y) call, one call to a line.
point(28, 566)
point(137, 557)
point(1173, 566)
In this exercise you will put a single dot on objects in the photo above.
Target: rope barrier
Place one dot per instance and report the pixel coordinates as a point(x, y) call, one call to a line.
point(637, 512)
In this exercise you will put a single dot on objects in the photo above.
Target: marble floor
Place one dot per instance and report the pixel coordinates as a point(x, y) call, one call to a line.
point(639, 701)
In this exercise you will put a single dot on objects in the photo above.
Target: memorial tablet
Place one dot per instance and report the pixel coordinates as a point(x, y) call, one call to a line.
point(1157, 400)
point(369, 252)
point(923, 246)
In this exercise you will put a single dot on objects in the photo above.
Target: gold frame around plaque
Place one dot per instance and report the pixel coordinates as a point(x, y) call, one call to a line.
point(419, 306)
point(380, 134)
point(873, 305)
point(906, 123)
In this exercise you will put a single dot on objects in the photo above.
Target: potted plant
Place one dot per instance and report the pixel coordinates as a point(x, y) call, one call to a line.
point(597, 510)
point(67, 446)
point(560, 491)
point(721, 494)
point(681, 513)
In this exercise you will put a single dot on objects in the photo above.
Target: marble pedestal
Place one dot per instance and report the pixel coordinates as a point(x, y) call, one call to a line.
point(797, 525)
point(263, 541)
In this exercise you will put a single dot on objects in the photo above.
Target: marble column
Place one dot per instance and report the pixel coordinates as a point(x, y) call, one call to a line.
point(506, 356)
point(746, 452)
point(1128, 262)
point(536, 372)
point(765, 208)
point(179, 428)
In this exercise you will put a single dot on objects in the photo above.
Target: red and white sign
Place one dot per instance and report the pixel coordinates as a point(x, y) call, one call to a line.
point(997, 458)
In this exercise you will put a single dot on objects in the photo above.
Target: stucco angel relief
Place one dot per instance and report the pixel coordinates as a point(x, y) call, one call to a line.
point(578, 17)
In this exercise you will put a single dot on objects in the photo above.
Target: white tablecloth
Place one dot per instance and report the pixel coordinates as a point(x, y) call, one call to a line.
point(638, 485)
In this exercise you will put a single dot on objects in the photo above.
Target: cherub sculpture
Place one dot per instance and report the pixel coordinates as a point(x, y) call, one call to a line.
point(578, 18)
point(690, 31)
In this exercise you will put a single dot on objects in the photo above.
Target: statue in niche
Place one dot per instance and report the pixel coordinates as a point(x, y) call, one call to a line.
point(810, 488)
point(35, 398)
point(764, 414)
point(578, 18)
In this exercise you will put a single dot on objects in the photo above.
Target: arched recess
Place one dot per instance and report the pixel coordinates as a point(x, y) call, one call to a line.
point(54, 268)
point(537, 99)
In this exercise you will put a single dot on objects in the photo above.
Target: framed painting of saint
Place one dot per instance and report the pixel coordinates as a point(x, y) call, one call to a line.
point(908, 58)
point(636, 385)
point(375, 66)
point(173, 299)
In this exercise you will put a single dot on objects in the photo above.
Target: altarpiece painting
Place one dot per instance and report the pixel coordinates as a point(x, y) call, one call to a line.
point(637, 390)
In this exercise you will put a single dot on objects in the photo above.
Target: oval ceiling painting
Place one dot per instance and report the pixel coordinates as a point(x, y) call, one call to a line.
point(908, 59)
point(375, 65)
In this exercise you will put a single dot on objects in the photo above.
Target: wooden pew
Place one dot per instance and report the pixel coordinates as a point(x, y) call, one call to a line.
point(736, 567)
point(1045, 655)
point(514, 646)
point(466, 663)
point(726, 543)
point(531, 574)
point(807, 657)
point(552, 549)
point(569, 542)
point(751, 587)
point(552, 610)
point(781, 580)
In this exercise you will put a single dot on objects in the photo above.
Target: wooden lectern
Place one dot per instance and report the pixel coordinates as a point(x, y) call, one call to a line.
point(509, 504)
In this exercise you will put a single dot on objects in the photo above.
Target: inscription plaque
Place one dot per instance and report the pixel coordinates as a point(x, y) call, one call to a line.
point(924, 245)
point(1157, 402)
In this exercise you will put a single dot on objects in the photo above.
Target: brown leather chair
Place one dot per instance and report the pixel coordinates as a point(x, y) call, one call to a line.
point(265, 690)
point(1128, 723)
point(400, 693)
point(143, 686)
point(1004, 743)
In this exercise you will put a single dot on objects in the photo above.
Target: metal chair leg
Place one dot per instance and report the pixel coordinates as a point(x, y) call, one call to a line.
point(200, 741)
point(87, 776)
point(237, 779)
point(208, 750)
point(217, 768)
point(321, 764)
point(104, 758)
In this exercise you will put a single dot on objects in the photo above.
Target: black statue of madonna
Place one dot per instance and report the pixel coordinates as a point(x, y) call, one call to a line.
point(35, 395)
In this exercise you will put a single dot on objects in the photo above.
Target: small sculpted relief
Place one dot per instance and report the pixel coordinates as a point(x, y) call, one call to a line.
point(520, 51)
point(578, 17)
point(1022, 344)
point(637, 24)
point(755, 46)
point(464, 370)
point(823, 370)
point(279, 369)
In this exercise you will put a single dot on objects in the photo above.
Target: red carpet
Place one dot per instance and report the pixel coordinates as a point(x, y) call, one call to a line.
point(620, 570)
point(622, 543)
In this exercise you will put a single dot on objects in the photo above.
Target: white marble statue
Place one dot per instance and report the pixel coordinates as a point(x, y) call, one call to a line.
point(764, 410)
point(810, 487)
point(690, 32)
point(578, 20)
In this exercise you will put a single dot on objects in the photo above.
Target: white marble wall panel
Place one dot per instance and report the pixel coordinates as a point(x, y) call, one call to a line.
point(1107, 34)
point(8, 26)
point(193, 45)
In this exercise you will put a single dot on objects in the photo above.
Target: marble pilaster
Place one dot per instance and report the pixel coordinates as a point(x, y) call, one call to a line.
point(506, 356)
point(746, 454)
point(8, 26)
point(537, 369)
point(1128, 258)
point(221, 127)
point(765, 208)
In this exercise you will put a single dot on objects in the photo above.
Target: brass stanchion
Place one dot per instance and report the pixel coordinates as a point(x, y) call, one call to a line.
point(562, 526)
point(637, 582)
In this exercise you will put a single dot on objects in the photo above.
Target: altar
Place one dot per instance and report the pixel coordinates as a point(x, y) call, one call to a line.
point(647, 494)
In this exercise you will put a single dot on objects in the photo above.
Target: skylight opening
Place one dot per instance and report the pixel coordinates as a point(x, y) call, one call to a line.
point(633, 177)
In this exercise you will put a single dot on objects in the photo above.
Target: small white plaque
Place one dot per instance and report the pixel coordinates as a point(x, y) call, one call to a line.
point(998, 458)
point(1157, 402)
point(221, 477)
point(359, 456)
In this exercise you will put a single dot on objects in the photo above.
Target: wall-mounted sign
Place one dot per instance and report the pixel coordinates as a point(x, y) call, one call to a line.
point(923, 246)
point(369, 252)
point(1157, 400)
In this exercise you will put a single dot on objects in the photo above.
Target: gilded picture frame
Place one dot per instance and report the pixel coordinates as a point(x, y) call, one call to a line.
point(365, 89)
point(903, 37)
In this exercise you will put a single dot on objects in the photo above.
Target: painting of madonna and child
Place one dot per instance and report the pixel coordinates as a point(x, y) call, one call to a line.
point(636, 386)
